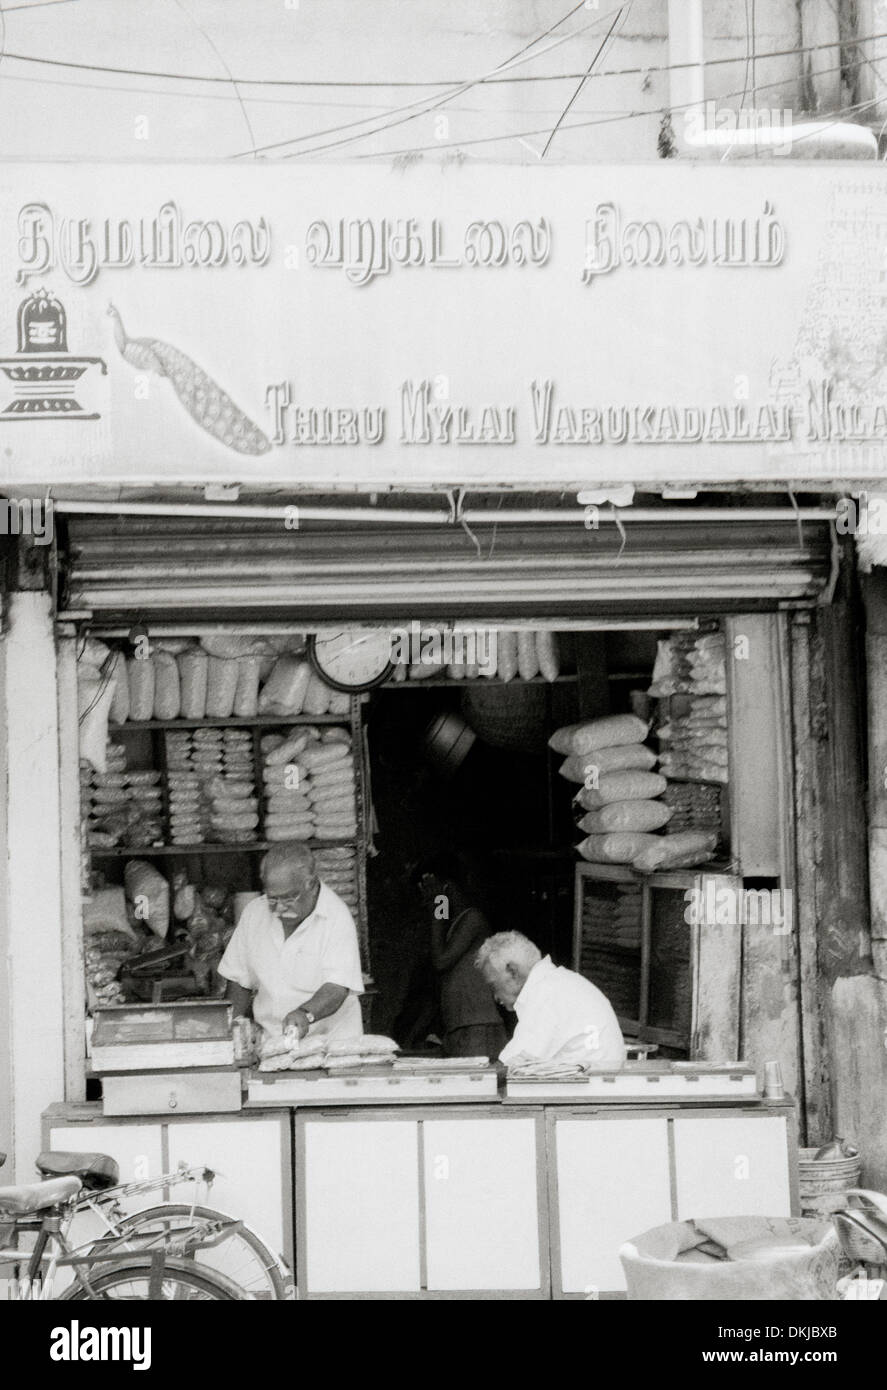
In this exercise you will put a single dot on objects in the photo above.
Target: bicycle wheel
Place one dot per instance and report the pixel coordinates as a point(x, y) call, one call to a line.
point(242, 1256)
point(181, 1281)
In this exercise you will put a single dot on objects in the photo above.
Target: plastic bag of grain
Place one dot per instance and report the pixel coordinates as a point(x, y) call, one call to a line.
point(586, 768)
point(167, 698)
point(626, 815)
point(298, 830)
point(284, 690)
point(506, 655)
point(94, 695)
point(527, 660)
point(140, 678)
point(246, 695)
point(226, 819)
point(148, 891)
point(682, 851)
point(617, 848)
point(327, 755)
point(317, 696)
point(611, 731)
point(292, 745)
point(621, 786)
point(221, 687)
point(119, 712)
point(547, 655)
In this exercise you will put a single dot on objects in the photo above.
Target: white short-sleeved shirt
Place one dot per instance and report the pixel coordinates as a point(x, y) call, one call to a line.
point(284, 972)
point(560, 1012)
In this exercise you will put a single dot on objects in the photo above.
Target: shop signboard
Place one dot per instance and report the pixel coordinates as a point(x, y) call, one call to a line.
point(368, 326)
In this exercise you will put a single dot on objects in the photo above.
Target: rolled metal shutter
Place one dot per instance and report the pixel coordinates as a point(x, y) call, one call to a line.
point(234, 570)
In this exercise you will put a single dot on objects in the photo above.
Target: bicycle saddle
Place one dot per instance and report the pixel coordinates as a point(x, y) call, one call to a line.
point(95, 1171)
point(37, 1196)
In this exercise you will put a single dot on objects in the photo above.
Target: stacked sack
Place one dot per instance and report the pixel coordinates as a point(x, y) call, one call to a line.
point(122, 807)
point(310, 785)
point(108, 942)
point(694, 806)
point(621, 797)
point(337, 867)
point(619, 790)
point(611, 926)
point(508, 654)
point(287, 1053)
point(212, 792)
point(612, 921)
point(289, 814)
point(328, 768)
point(691, 673)
point(222, 677)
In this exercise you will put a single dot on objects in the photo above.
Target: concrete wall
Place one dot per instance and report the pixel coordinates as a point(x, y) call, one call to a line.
point(30, 893)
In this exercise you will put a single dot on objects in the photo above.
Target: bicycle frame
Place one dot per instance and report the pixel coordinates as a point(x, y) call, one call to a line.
point(53, 1226)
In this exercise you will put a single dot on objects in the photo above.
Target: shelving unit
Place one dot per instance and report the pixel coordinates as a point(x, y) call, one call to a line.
point(661, 976)
point(154, 729)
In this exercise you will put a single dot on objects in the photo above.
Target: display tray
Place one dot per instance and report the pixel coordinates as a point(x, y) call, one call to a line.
point(371, 1085)
point(639, 1081)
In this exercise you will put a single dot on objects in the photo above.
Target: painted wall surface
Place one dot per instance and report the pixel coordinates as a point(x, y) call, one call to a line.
point(341, 327)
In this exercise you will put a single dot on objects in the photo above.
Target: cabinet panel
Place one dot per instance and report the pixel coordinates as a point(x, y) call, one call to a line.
point(138, 1150)
point(361, 1206)
point(481, 1204)
point(248, 1158)
point(612, 1183)
point(732, 1167)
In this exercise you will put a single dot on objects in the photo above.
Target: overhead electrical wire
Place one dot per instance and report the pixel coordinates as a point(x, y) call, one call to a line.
point(574, 125)
point(337, 144)
point(413, 82)
point(606, 39)
point(180, 5)
point(427, 105)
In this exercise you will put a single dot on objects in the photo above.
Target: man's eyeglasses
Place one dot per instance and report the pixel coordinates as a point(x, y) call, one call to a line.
point(293, 899)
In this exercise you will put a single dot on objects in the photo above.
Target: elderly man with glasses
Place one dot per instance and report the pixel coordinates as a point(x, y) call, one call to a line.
point(294, 957)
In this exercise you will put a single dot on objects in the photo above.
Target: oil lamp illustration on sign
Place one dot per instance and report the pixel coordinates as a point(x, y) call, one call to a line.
point(42, 373)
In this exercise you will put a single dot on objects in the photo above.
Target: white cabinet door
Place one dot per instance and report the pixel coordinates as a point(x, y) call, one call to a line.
point(732, 1167)
point(361, 1206)
point(138, 1150)
point(251, 1162)
point(481, 1204)
point(612, 1184)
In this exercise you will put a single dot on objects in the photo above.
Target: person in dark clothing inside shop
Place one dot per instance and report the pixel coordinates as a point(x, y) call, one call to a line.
point(472, 1023)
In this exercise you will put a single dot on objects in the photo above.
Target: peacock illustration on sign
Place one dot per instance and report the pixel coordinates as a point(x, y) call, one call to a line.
point(205, 401)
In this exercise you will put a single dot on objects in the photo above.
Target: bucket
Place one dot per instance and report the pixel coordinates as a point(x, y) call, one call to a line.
point(822, 1183)
point(767, 1258)
point(448, 741)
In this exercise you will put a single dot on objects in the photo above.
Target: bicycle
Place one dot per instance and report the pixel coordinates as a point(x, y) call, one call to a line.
point(223, 1247)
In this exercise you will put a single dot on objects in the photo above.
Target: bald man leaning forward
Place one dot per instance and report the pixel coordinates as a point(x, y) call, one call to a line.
point(294, 958)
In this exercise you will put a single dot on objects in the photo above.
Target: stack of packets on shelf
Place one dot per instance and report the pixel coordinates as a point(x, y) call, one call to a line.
point(690, 674)
point(611, 928)
point(212, 793)
point(337, 868)
point(310, 785)
point(223, 676)
point(287, 1053)
point(500, 655)
point(121, 807)
point(621, 797)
